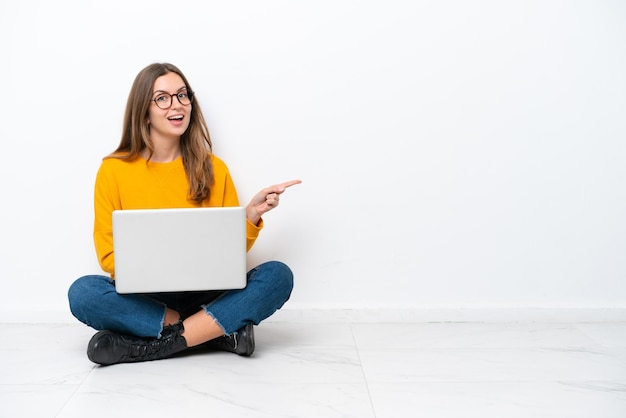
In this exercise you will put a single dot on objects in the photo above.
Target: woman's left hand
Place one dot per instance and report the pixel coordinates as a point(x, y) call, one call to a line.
point(266, 200)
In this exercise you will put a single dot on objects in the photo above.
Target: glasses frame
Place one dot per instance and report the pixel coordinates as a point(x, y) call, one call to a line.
point(188, 92)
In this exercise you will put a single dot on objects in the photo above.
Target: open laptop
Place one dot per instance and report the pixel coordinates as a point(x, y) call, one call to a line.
point(174, 250)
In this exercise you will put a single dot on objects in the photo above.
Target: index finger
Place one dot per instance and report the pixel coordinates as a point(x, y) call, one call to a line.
point(282, 186)
point(289, 183)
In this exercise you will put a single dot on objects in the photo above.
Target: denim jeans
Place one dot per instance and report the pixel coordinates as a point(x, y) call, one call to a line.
point(94, 301)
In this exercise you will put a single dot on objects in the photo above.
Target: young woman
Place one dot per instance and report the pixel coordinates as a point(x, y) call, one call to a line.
point(164, 160)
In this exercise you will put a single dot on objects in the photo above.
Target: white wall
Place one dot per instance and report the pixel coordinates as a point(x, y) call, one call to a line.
point(455, 154)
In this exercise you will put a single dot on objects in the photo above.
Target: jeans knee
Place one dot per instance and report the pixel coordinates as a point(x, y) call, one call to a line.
point(82, 293)
point(76, 295)
point(283, 277)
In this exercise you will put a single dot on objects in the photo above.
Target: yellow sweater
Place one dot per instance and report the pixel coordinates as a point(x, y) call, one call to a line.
point(140, 185)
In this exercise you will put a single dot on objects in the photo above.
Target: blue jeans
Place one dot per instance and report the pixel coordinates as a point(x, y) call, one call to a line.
point(94, 301)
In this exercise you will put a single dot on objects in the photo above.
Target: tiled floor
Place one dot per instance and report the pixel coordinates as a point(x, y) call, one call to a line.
point(361, 370)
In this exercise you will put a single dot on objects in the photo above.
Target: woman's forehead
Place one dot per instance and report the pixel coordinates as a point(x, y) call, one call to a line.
point(170, 82)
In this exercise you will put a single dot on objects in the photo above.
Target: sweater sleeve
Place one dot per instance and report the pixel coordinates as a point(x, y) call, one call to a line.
point(231, 199)
point(106, 200)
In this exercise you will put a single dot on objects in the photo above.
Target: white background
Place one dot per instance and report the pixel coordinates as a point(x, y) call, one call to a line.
point(454, 154)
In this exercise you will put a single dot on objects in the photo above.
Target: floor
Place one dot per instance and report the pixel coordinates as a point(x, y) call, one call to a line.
point(381, 370)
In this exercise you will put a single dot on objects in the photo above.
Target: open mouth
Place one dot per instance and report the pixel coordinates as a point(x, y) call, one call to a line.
point(177, 118)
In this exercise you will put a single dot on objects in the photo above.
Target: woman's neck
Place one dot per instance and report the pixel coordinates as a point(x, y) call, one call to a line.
point(163, 153)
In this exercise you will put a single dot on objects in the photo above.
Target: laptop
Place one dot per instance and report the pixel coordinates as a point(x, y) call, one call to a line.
point(176, 250)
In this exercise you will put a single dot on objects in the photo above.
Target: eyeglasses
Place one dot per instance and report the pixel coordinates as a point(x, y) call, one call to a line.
point(164, 100)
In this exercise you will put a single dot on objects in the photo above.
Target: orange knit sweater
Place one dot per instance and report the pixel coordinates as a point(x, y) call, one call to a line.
point(148, 185)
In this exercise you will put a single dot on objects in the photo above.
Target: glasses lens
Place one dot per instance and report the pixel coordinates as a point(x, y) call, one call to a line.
point(184, 97)
point(163, 101)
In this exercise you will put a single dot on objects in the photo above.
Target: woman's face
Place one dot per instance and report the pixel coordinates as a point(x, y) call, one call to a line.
point(172, 121)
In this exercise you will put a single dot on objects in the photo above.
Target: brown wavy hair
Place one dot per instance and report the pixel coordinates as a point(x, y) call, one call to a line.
point(195, 143)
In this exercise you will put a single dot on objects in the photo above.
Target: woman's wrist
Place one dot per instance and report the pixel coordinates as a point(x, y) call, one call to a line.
point(252, 215)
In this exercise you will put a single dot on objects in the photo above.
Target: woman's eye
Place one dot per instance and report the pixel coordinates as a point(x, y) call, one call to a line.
point(161, 98)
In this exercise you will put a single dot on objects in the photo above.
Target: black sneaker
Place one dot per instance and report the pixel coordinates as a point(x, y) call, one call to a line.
point(240, 342)
point(108, 347)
